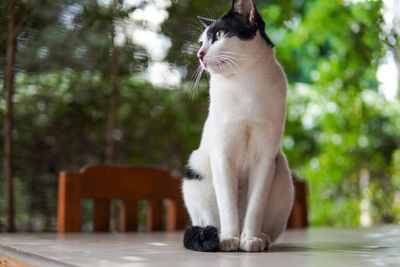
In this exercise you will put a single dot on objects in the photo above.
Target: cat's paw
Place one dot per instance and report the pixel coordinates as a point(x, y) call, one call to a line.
point(266, 240)
point(229, 243)
point(252, 244)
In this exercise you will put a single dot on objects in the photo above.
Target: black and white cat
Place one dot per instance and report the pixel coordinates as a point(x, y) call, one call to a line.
point(237, 187)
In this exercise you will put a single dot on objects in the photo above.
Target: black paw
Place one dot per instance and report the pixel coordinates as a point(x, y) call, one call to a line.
point(201, 238)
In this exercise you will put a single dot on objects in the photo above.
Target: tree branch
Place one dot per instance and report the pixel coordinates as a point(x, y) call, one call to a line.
point(22, 20)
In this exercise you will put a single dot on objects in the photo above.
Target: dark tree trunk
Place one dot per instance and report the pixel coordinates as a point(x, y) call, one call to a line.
point(12, 33)
point(9, 88)
point(112, 114)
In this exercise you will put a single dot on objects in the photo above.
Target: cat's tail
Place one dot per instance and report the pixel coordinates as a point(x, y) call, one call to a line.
point(201, 238)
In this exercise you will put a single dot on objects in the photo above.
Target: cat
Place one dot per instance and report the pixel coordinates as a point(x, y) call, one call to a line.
point(237, 185)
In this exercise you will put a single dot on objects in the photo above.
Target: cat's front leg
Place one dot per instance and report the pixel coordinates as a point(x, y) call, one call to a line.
point(226, 188)
point(260, 181)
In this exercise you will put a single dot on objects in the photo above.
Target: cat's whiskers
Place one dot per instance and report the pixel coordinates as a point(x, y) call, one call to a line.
point(230, 64)
point(216, 58)
point(221, 65)
point(225, 60)
point(195, 73)
point(231, 53)
point(233, 56)
point(230, 60)
point(199, 74)
point(235, 64)
point(196, 79)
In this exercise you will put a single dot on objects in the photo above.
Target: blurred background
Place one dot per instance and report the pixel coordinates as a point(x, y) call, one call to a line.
point(111, 81)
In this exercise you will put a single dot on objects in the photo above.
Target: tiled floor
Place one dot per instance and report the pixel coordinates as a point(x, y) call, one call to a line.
point(378, 246)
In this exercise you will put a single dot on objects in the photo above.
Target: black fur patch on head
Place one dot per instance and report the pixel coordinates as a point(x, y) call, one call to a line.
point(201, 238)
point(191, 174)
point(235, 24)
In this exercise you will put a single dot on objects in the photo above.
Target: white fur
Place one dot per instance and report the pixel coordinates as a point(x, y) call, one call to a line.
point(243, 193)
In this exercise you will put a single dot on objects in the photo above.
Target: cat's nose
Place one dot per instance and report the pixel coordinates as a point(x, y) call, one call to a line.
point(201, 55)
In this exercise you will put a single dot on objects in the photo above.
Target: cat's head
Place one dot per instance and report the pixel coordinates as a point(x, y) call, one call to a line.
point(227, 43)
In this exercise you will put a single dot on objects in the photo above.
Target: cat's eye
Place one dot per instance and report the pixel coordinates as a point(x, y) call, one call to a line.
point(219, 34)
point(201, 44)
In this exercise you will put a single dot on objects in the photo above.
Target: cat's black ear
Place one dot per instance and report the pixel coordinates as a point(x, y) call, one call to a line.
point(246, 8)
point(206, 22)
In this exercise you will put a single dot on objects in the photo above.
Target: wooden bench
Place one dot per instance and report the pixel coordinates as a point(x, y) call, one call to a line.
point(299, 215)
point(104, 183)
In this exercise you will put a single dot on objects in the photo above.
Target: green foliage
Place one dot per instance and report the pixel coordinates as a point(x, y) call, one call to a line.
point(338, 124)
point(60, 123)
